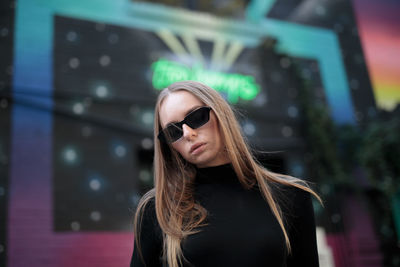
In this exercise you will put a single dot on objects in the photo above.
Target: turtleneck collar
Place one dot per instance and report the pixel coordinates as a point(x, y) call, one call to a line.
point(216, 174)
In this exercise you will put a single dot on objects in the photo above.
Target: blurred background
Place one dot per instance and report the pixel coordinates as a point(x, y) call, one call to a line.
point(316, 84)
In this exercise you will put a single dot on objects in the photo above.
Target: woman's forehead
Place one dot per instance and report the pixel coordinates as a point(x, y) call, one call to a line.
point(177, 105)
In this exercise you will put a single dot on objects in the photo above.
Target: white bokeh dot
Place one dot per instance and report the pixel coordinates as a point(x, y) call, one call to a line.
point(101, 91)
point(287, 131)
point(145, 176)
point(72, 36)
point(95, 216)
point(147, 143)
point(120, 151)
point(95, 184)
point(70, 155)
point(113, 38)
point(75, 226)
point(260, 99)
point(78, 108)
point(105, 60)
point(147, 117)
point(74, 63)
point(249, 128)
point(293, 112)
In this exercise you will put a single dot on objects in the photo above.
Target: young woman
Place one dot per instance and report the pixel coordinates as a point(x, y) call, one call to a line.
point(213, 204)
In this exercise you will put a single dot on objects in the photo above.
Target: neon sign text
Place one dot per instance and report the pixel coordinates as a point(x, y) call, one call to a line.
point(233, 85)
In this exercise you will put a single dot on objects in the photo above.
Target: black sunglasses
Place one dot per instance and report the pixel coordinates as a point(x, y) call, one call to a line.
point(195, 119)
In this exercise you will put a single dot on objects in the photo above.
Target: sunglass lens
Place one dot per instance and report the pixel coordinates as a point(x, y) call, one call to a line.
point(198, 118)
point(173, 133)
point(194, 120)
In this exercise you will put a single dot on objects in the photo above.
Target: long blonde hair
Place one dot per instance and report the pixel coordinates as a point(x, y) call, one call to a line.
point(177, 212)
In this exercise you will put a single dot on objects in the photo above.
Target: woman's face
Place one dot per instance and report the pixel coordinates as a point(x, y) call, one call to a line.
point(203, 146)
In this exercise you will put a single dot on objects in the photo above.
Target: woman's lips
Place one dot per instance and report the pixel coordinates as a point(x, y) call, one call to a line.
point(197, 148)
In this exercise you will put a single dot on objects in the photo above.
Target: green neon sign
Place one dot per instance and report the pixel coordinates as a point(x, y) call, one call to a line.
point(234, 85)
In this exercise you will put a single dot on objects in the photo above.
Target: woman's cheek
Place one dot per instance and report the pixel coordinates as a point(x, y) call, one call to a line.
point(178, 149)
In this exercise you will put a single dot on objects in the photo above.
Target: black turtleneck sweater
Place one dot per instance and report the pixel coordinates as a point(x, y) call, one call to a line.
point(241, 230)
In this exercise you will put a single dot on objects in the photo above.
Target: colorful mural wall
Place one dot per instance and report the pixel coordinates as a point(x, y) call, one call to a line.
point(379, 26)
point(78, 85)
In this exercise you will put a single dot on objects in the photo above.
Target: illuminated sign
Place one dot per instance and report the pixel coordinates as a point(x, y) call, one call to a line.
point(233, 85)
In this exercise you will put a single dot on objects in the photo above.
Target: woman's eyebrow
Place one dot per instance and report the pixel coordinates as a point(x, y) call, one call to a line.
point(187, 112)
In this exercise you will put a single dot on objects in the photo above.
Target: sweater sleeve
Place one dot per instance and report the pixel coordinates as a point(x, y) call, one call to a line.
point(150, 240)
point(302, 232)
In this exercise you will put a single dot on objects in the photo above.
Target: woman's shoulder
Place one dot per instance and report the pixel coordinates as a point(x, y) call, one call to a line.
point(292, 199)
point(292, 190)
point(147, 217)
point(146, 207)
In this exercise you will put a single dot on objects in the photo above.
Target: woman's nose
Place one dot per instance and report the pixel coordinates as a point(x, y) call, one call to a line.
point(188, 132)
